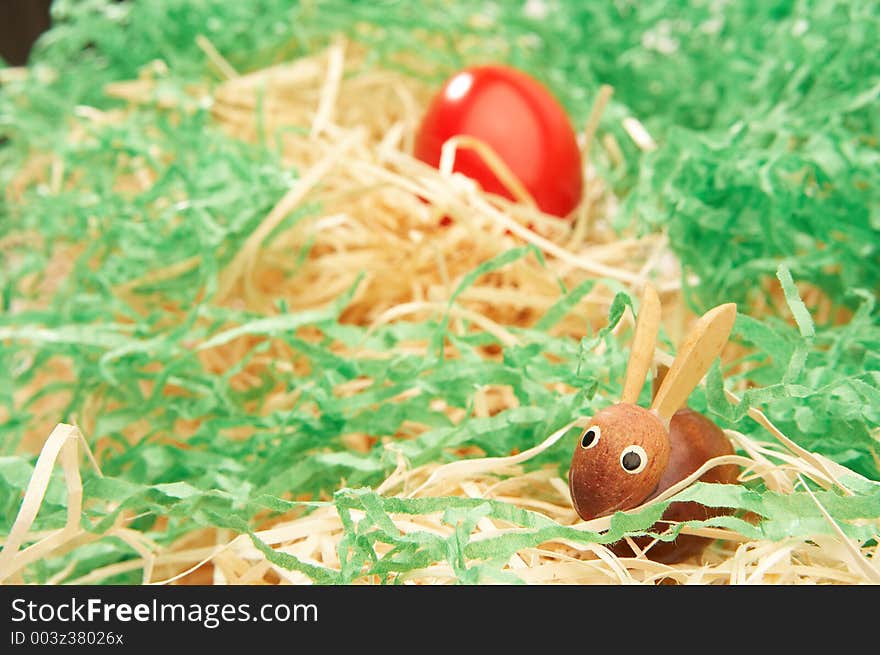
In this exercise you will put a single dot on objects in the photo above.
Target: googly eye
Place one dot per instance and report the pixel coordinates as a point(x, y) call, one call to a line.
point(590, 437)
point(633, 459)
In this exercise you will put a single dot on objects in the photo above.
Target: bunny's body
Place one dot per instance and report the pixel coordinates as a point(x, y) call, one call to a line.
point(629, 454)
point(693, 440)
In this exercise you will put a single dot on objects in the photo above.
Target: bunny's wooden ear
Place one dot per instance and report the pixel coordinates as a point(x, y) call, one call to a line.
point(642, 354)
point(695, 356)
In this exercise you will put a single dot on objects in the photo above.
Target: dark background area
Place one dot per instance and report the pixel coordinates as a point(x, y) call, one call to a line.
point(21, 22)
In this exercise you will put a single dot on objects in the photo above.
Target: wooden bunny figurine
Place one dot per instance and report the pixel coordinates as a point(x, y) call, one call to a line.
point(628, 454)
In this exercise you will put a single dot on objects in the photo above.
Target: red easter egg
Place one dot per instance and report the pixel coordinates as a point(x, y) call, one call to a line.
point(520, 120)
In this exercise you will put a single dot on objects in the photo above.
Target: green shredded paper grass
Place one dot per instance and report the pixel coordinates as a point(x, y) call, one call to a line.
point(765, 181)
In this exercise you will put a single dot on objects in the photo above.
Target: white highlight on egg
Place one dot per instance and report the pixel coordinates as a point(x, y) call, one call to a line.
point(459, 86)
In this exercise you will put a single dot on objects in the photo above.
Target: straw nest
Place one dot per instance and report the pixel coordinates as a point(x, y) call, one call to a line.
point(353, 159)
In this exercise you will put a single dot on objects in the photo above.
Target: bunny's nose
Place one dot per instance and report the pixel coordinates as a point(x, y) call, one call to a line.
point(587, 504)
